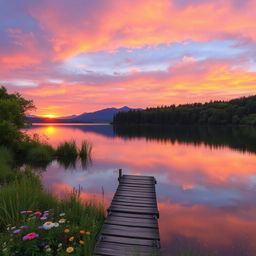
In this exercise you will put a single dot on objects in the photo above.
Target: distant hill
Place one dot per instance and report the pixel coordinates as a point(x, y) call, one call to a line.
point(101, 116)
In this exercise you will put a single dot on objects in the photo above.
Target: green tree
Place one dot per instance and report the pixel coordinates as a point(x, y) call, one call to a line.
point(13, 108)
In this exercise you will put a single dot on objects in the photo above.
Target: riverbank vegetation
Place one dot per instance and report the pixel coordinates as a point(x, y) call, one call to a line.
point(32, 220)
point(236, 111)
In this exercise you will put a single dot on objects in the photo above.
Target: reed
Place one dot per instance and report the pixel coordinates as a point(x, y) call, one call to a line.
point(67, 149)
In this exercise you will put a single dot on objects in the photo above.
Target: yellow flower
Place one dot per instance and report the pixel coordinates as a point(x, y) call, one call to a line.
point(69, 249)
point(82, 232)
point(81, 242)
point(87, 233)
point(66, 230)
point(71, 239)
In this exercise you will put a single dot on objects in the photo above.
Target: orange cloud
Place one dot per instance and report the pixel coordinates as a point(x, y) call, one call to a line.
point(184, 82)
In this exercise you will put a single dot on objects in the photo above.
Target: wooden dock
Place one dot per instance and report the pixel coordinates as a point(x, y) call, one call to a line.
point(131, 227)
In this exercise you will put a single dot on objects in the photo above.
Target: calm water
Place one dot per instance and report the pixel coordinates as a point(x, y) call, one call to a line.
point(206, 179)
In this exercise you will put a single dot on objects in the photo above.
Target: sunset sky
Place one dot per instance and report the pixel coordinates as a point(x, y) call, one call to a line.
point(75, 56)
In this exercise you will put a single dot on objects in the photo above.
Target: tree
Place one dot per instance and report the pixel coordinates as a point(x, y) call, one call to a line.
point(13, 108)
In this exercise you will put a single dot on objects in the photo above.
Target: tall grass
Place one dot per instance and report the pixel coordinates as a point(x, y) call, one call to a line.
point(85, 154)
point(6, 160)
point(67, 149)
point(86, 149)
point(24, 193)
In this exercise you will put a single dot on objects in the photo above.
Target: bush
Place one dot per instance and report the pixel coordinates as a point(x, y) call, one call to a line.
point(40, 154)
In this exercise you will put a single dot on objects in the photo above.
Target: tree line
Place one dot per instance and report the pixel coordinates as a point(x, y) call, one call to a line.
point(236, 111)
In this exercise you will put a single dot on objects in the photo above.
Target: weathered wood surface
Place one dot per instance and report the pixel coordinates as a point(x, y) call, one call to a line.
point(131, 227)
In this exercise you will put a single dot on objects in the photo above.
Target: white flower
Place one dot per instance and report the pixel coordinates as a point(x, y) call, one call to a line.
point(48, 225)
point(59, 245)
point(61, 221)
point(62, 214)
point(56, 224)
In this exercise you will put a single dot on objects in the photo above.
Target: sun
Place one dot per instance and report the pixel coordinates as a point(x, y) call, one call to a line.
point(50, 116)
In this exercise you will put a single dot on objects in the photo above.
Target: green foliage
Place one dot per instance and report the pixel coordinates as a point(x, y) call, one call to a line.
point(250, 119)
point(9, 134)
point(237, 111)
point(24, 195)
point(13, 108)
point(40, 154)
point(25, 192)
point(67, 150)
point(6, 160)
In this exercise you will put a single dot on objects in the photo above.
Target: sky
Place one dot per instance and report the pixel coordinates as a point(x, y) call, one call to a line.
point(75, 56)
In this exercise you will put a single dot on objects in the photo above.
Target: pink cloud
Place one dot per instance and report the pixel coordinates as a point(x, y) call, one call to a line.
point(102, 26)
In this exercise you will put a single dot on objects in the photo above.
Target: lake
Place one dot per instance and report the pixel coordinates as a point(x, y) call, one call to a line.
point(206, 179)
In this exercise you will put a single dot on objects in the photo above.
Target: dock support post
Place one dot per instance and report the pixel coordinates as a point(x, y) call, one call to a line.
point(120, 174)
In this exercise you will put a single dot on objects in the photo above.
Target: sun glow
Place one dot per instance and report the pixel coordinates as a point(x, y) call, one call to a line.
point(49, 116)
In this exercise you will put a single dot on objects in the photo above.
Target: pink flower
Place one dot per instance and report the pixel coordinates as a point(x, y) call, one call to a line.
point(30, 236)
point(37, 213)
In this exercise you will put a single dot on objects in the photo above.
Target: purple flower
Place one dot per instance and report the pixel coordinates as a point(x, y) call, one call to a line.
point(43, 218)
point(22, 212)
point(16, 231)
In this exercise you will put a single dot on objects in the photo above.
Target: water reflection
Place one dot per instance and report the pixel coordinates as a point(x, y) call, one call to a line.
point(206, 189)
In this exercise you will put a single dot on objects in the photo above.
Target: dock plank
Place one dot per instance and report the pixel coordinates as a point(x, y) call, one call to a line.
point(131, 225)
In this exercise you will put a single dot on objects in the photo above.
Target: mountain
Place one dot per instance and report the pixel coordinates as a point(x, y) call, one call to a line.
point(67, 117)
point(101, 116)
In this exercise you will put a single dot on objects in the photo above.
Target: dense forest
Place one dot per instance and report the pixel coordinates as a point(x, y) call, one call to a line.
point(236, 111)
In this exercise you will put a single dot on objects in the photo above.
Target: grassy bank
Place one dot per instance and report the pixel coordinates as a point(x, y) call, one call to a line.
point(34, 222)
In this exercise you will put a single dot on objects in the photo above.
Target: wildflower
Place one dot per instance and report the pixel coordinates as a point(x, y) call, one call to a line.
point(38, 213)
point(29, 211)
point(59, 245)
point(61, 221)
point(56, 224)
point(16, 231)
point(81, 242)
point(69, 249)
point(71, 239)
point(30, 236)
point(48, 249)
point(66, 230)
point(12, 228)
point(62, 214)
point(48, 225)
point(43, 218)
point(82, 232)
point(22, 212)
point(87, 233)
